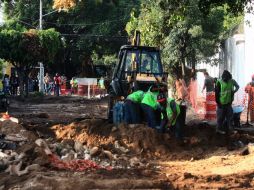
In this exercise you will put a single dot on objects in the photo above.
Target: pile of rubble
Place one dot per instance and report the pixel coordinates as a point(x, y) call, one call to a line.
point(21, 152)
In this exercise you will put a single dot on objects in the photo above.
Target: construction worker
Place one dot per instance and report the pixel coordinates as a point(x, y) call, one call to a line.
point(132, 109)
point(170, 116)
point(74, 85)
point(224, 95)
point(250, 90)
point(101, 87)
point(150, 107)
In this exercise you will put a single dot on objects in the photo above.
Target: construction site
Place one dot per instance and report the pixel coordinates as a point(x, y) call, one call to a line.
point(112, 94)
point(71, 145)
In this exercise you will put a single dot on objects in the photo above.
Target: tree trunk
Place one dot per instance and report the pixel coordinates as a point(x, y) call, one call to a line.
point(21, 75)
point(26, 84)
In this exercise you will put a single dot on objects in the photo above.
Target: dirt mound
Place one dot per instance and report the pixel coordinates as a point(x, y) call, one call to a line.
point(137, 138)
point(10, 128)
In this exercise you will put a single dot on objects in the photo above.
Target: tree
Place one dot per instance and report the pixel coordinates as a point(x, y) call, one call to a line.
point(64, 4)
point(92, 26)
point(181, 30)
point(234, 6)
point(25, 49)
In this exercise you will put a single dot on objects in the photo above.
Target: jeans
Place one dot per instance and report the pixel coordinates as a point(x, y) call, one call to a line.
point(47, 87)
point(224, 117)
point(177, 129)
point(57, 88)
point(132, 112)
point(152, 116)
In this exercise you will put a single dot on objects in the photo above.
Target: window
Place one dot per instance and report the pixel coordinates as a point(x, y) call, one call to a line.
point(132, 58)
point(150, 62)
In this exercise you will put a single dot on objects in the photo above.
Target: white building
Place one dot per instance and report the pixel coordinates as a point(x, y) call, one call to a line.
point(237, 56)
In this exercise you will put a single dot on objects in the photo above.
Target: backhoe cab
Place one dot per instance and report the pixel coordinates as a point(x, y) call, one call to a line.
point(138, 68)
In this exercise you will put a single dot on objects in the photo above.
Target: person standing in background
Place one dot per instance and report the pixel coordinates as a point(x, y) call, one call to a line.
point(250, 90)
point(210, 103)
point(46, 81)
point(57, 83)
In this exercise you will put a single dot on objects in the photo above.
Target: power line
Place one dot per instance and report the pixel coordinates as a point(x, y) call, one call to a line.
point(94, 35)
point(89, 24)
point(26, 23)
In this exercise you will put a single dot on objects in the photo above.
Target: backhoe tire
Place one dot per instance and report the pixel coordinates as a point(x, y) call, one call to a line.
point(110, 108)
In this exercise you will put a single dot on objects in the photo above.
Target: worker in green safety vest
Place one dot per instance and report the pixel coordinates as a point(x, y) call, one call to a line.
point(225, 89)
point(170, 116)
point(150, 107)
point(132, 107)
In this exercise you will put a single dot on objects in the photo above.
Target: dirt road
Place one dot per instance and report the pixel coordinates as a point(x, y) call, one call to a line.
point(130, 156)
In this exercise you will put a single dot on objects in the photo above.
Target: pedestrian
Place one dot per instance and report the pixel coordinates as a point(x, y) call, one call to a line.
point(14, 83)
point(132, 107)
point(102, 87)
point(6, 84)
point(170, 116)
point(181, 89)
point(46, 81)
point(74, 85)
point(250, 90)
point(193, 89)
point(57, 83)
point(150, 107)
point(225, 89)
point(210, 103)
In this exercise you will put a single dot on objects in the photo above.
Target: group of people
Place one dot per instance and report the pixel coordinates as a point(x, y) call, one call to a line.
point(10, 84)
point(161, 113)
point(53, 85)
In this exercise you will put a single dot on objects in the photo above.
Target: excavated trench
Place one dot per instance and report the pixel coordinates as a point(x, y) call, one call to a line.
point(128, 157)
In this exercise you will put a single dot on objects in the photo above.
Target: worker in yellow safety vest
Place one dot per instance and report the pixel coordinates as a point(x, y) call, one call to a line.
point(170, 116)
point(225, 89)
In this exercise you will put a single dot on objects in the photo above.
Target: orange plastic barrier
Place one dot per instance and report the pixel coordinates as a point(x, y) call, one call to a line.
point(81, 90)
point(63, 89)
point(210, 106)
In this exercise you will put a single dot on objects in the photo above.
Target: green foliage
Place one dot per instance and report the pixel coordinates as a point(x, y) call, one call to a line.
point(24, 49)
point(104, 60)
point(29, 47)
point(50, 42)
point(235, 7)
point(90, 26)
point(181, 30)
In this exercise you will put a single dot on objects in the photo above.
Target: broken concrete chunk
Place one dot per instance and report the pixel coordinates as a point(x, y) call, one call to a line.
point(135, 162)
point(87, 157)
point(114, 129)
point(108, 154)
point(94, 151)
point(41, 143)
point(121, 148)
point(68, 157)
point(3, 155)
point(78, 146)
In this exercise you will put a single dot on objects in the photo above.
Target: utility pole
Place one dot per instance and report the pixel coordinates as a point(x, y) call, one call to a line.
point(41, 74)
point(40, 16)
